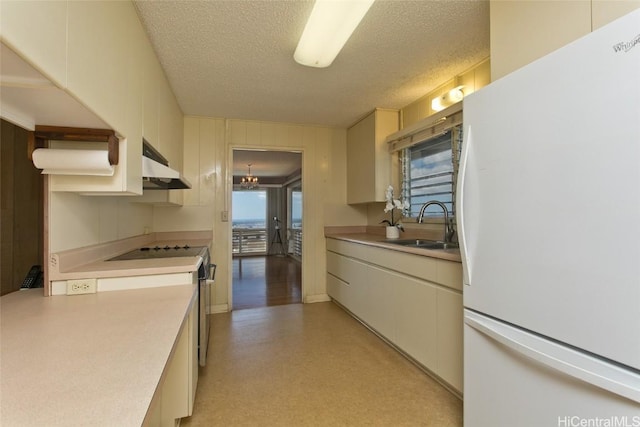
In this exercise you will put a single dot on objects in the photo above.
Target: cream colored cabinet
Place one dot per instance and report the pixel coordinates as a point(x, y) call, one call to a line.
point(449, 336)
point(370, 166)
point(163, 119)
point(153, 75)
point(416, 321)
point(175, 396)
point(347, 281)
point(171, 126)
point(104, 73)
point(523, 31)
point(381, 301)
point(193, 371)
point(38, 30)
point(605, 11)
point(98, 52)
point(171, 135)
point(97, 60)
point(414, 302)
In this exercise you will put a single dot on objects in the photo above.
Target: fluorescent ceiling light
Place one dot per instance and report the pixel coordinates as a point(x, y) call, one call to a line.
point(329, 27)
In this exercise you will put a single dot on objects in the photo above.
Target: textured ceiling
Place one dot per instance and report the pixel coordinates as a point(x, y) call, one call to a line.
point(234, 59)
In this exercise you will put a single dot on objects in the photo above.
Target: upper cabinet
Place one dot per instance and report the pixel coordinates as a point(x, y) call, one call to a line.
point(153, 76)
point(99, 54)
point(370, 166)
point(38, 29)
point(97, 57)
point(170, 126)
point(523, 31)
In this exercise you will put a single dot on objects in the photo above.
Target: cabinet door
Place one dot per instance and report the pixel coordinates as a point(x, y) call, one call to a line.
point(153, 75)
point(369, 163)
point(171, 126)
point(416, 320)
point(105, 72)
point(38, 31)
point(516, 28)
point(449, 337)
point(97, 57)
point(178, 388)
point(193, 356)
point(380, 311)
point(606, 11)
point(171, 134)
point(175, 388)
point(361, 161)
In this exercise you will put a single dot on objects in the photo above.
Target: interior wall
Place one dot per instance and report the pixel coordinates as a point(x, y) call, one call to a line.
point(76, 221)
point(208, 152)
point(21, 216)
point(471, 80)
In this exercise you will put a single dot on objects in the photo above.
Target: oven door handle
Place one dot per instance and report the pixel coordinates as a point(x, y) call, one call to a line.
point(212, 271)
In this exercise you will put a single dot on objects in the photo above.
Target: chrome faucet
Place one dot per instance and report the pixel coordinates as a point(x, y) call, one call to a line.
point(448, 225)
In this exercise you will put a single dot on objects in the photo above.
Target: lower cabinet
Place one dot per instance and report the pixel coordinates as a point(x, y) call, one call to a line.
point(449, 336)
point(175, 397)
point(416, 319)
point(420, 314)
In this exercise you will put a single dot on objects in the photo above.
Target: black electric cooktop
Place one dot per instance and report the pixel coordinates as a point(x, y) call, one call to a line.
point(152, 252)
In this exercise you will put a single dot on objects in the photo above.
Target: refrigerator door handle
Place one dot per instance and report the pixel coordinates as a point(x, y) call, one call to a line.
point(589, 369)
point(462, 236)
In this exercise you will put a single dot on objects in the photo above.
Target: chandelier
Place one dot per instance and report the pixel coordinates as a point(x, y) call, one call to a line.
point(249, 181)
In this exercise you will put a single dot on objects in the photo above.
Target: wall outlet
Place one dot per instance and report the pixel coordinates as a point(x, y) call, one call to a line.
point(224, 216)
point(82, 286)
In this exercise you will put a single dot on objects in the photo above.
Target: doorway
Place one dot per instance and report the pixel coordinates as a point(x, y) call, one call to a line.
point(266, 221)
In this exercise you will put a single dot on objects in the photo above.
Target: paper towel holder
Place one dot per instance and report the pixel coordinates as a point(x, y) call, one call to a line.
point(42, 134)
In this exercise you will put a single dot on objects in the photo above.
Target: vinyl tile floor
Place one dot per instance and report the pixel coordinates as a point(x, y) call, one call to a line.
point(311, 365)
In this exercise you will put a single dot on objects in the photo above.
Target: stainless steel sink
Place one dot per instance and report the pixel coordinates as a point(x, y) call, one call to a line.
point(423, 244)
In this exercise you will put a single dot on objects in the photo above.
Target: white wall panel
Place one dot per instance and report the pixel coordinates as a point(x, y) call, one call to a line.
point(77, 221)
point(209, 144)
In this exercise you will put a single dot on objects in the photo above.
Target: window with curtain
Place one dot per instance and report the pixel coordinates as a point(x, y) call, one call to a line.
point(429, 170)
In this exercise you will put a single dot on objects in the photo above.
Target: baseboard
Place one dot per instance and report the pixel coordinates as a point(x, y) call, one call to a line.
point(218, 308)
point(310, 299)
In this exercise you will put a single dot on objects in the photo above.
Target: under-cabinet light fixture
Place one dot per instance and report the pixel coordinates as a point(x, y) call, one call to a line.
point(447, 99)
point(330, 25)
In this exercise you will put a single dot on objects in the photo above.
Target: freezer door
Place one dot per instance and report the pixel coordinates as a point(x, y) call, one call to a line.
point(513, 378)
point(549, 195)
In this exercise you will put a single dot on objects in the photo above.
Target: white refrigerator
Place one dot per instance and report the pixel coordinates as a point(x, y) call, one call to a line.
point(548, 204)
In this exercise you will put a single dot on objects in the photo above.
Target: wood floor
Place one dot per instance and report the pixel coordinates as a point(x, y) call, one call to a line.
point(262, 281)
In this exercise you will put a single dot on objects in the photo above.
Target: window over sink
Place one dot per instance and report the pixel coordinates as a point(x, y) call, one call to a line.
point(429, 171)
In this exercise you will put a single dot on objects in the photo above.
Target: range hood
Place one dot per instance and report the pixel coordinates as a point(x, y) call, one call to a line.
point(156, 173)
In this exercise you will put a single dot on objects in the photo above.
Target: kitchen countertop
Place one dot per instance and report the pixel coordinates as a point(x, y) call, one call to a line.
point(92, 262)
point(134, 267)
point(379, 241)
point(92, 359)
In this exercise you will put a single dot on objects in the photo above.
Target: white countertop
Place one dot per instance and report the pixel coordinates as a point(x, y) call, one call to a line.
point(92, 359)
